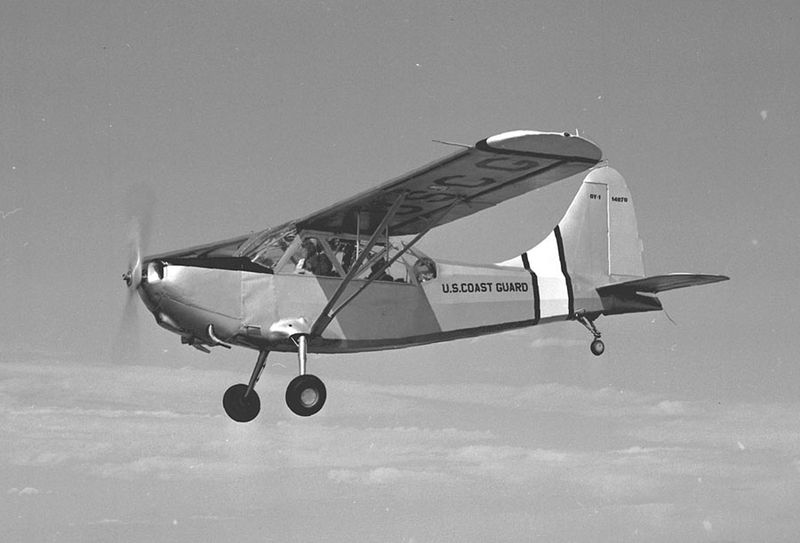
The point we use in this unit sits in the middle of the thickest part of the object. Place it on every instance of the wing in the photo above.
(468, 181)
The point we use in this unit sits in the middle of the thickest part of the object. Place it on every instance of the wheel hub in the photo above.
(309, 397)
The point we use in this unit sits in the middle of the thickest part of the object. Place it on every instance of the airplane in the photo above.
(350, 278)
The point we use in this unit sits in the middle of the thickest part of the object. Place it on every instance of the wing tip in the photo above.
(536, 142)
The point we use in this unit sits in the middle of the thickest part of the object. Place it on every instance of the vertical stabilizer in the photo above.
(601, 237)
(597, 240)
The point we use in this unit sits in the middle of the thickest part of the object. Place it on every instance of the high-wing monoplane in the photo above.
(352, 278)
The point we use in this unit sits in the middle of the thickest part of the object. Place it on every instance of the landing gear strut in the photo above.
(597, 346)
(241, 402)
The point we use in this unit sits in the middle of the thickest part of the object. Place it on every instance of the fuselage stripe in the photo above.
(537, 311)
(567, 279)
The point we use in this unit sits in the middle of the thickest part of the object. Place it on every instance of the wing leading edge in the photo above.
(493, 170)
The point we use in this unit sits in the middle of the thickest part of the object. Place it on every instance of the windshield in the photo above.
(268, 247)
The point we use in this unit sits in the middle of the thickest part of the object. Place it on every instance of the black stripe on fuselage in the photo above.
(567, 279)
(537, 312)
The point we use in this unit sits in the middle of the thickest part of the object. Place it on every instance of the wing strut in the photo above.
(327, 315)
(324, 319)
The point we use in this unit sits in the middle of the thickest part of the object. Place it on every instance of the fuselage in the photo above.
(463, 300)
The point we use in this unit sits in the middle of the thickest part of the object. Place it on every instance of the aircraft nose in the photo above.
(151, 276)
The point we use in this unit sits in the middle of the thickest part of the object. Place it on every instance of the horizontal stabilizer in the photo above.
(659, 283)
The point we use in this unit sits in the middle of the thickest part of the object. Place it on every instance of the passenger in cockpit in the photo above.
(424, 270)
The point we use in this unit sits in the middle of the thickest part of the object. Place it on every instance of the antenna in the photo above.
(453, 144)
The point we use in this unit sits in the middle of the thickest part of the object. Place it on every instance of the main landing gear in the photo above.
(597, 346)
(305, 394)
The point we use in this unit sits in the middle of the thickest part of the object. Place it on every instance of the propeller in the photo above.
(139, 205)
(133, 277)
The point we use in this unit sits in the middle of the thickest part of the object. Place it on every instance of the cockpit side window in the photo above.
(284, 250)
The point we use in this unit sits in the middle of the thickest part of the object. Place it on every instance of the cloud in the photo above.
(6, 214)
(599, 475)
(626, 456)
(385, 476)
(670, 407)
(27, 491)
(763, 427)
(509, 464)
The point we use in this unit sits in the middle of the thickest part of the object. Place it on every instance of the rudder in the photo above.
(600, 231)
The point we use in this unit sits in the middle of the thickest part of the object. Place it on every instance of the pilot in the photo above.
(379, 275)
(320, 264)
(348, 249)
(315, 261)
(309, 249)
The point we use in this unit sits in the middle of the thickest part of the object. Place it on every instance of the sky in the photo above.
(238, 116)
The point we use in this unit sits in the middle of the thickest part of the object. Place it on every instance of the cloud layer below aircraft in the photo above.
(644, 458)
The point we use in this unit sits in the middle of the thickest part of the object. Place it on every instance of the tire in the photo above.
(305, 395)
(238, 407)
(597, 347)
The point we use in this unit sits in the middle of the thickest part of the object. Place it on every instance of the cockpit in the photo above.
(285, 250)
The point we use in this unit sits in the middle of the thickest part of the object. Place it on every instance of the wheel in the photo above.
(238, 407)
(597, 347)
(305, 395)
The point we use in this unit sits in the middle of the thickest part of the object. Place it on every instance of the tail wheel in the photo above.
(597, 347)
(238, 407)
(305, 395)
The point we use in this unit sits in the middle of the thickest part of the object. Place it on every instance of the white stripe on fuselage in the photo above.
(546, 264)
